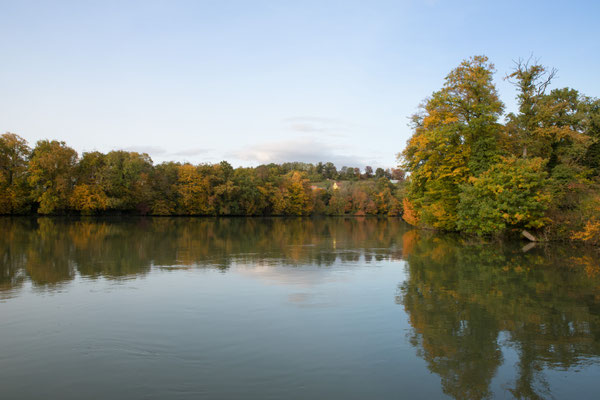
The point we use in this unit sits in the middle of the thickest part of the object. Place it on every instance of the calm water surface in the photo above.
(174, 308)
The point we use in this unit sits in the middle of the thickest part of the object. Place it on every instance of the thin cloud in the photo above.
(306, 128)
(191, 152)
(321, 125)
(156, 150)
(306, 149)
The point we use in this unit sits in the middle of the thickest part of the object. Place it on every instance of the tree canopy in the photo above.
(53, 179)
(539, 168)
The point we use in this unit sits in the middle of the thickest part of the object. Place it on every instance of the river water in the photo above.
(284, 308)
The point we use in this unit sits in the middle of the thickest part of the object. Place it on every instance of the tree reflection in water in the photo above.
(51, 251)
(465, 300)
(461, 296)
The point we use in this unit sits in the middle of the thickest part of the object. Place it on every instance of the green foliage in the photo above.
(509, 194)
(455, 137)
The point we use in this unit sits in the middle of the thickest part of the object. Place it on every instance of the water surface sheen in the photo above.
(355, 308)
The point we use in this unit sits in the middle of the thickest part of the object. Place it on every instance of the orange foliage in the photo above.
(410, 215)
(591, 266)
(409, 240)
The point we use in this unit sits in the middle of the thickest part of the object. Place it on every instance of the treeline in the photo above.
(52, 179)
(537, 169)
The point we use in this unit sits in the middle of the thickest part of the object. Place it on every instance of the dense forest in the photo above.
(537, 169)
(52, 179)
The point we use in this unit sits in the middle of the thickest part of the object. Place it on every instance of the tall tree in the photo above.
(531, 81)
(455, 136)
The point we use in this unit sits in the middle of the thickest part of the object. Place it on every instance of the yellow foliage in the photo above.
(590, 233)
(88, 199)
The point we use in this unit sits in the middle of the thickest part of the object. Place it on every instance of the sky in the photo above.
(254, 82)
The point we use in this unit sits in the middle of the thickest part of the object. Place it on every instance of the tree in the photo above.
(14, 192)
(295, 195)
(88, 199)
(510, 194)
(125, 178)
(89, 194)
(531, 81)
(51, 171)
(398, 174)
(193, 191)
(164, 188)
(455, 136)
(330, 171)
(224, 191)
(591, 123)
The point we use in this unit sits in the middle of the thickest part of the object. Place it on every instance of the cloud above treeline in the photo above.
(191, 152)
(156, 150)
(163, 153)
(306, 149)
(310, 139)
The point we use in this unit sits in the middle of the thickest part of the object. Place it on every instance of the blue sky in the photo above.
(261, 81)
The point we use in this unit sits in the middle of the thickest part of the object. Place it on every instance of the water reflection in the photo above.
(51, 251)
(467, 302)
(462, 298)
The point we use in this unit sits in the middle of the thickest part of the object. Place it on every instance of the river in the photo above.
(286, 308)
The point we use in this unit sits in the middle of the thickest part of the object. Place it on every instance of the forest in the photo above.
(468, 167)
(53, 179)
(472, 168)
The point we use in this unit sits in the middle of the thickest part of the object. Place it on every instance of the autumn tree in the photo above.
(14, 191)
(89, 194)
(292, 196)
(193, 191)
(164, 188)
(51, 171)
(126, 181)
(251, 192)
(455, 137)
(225, 190)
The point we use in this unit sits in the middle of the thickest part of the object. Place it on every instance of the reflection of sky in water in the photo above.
(382, 311)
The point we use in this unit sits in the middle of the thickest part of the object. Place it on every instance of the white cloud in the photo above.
(151, 150)
(191, 152)
(306, 149)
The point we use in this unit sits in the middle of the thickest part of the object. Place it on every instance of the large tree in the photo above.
(456, 136)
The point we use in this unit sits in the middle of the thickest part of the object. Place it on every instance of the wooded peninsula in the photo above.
(462, 170)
